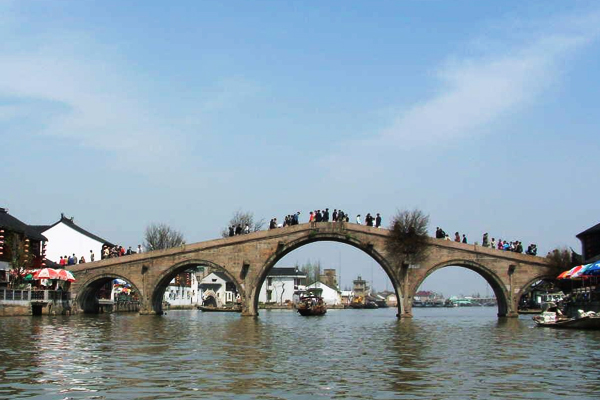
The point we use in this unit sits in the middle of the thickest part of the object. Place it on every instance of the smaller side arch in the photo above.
(163, 280)
(498, 286)
(86, 295)
(528, 285)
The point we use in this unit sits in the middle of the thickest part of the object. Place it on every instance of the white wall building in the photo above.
(218, 286)
(280, 285)
(331, 296)
(183, 293)
(65, 238)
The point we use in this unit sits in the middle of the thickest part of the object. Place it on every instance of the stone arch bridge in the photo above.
(247, 260)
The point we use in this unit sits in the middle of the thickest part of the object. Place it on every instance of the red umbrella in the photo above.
(563, 275)
(569, 273)
(65, 275)
(46, 273)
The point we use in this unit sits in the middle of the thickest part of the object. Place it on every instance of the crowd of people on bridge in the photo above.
(324, 215)
(116, 251)
(70, 260)
(235, 230)
(505, 245)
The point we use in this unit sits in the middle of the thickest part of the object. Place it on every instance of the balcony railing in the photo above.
(34, 295)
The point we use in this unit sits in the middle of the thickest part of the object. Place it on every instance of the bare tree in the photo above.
(161, 236)
(243, 218)
(407, 242)
(312, 272)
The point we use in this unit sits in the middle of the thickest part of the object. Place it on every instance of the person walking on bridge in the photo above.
(358, 219)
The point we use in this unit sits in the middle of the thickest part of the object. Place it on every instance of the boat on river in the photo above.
(312, 303)
(218, 309)
(591, 323)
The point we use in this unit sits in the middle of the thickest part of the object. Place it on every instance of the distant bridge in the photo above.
(247, 260)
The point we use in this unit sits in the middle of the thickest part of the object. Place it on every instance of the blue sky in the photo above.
(482, 114)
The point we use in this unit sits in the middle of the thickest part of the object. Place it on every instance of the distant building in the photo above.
(390, 298)
(590, 244)
(27, 241)
(65, 238)
(360, 287)
(424, 295)
(346, 297)
(331, 296)
(281, 284)
(329, 278)
(216, 289)
(183, 290)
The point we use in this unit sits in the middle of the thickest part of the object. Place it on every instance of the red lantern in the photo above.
(1, 242)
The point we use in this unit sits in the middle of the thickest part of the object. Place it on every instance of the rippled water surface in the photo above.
(348, 354)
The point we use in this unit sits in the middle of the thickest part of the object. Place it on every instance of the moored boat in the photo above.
(218, 309)
(591, 323)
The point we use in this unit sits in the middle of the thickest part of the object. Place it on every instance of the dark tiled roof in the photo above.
(40, 228)
(222, 275)
(69, 222)
(52, 264)
(10, 223)
(285, 271)
(593, 229)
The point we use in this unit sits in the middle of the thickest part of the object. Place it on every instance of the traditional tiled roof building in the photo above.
(590, 243)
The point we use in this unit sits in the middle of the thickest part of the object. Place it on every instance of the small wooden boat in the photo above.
(312, 303)
(570, 323)
(530, 311)
(218, 309)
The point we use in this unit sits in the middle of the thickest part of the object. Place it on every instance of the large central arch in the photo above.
(315, 236)
(500, 291)
(166, 276)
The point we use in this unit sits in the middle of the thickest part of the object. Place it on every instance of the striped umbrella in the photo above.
(563, 275)
(580, 272)
(569, 273)
(593, 269)
(65, 275)
(46, 273)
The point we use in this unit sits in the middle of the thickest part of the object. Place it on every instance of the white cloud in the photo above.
(98, 108)
(87, 93)
(475, 92)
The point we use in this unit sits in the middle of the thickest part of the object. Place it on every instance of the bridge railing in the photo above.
(34, 295)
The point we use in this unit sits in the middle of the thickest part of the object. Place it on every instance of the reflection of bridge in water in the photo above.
(247, 259)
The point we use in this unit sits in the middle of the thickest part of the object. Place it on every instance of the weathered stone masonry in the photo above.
(247, 259)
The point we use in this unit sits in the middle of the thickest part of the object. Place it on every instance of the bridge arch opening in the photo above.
(184, 286)
(346, 260)
(537, 292)
(474, 285)
(109, 293)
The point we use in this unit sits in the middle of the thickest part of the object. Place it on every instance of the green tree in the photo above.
(19, 258)
(560, 258)
(161, 236)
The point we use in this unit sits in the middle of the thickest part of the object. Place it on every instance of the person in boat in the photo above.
(553, 307)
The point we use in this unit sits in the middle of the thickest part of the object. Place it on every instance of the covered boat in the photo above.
(552, 319)
(312, 303)
(570, 323)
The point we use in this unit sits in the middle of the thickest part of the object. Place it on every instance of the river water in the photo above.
(460, 353)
